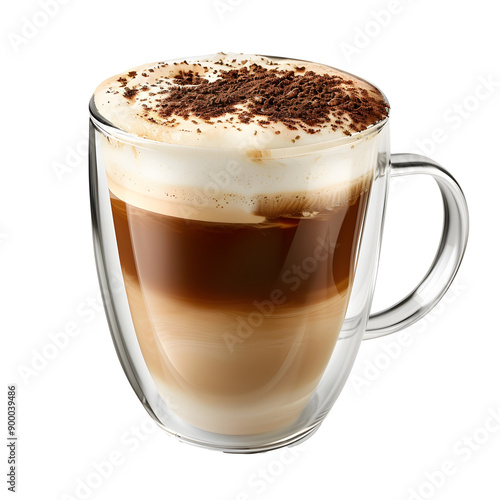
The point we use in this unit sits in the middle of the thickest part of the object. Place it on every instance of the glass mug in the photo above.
(239, 336)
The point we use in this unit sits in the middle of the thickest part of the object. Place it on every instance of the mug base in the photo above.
(293, 440)
(300, 430)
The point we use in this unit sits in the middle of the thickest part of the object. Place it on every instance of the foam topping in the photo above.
(228, 100)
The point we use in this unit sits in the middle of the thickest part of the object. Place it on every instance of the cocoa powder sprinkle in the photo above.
(130, 93)
(306, 101)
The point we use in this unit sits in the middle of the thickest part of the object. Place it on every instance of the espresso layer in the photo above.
(306, 258)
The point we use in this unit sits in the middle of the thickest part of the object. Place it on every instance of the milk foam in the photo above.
(140, 114)
(212, 171)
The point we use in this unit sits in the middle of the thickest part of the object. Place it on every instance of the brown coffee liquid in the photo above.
(237, 322)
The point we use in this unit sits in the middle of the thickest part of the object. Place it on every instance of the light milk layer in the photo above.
(263, 368)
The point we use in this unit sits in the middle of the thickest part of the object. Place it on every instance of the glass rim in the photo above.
(109, 128)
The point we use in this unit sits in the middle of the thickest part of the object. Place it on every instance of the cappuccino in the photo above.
(238, 186)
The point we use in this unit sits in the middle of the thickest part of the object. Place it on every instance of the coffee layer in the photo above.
(224, 263)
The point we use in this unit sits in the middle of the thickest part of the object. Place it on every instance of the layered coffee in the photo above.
(238, 186)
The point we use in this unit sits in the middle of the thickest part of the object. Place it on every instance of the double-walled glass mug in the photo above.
(237, 287)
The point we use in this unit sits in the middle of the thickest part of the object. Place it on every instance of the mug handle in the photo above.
(448, 257)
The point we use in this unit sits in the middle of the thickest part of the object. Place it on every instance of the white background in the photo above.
(396, 422)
